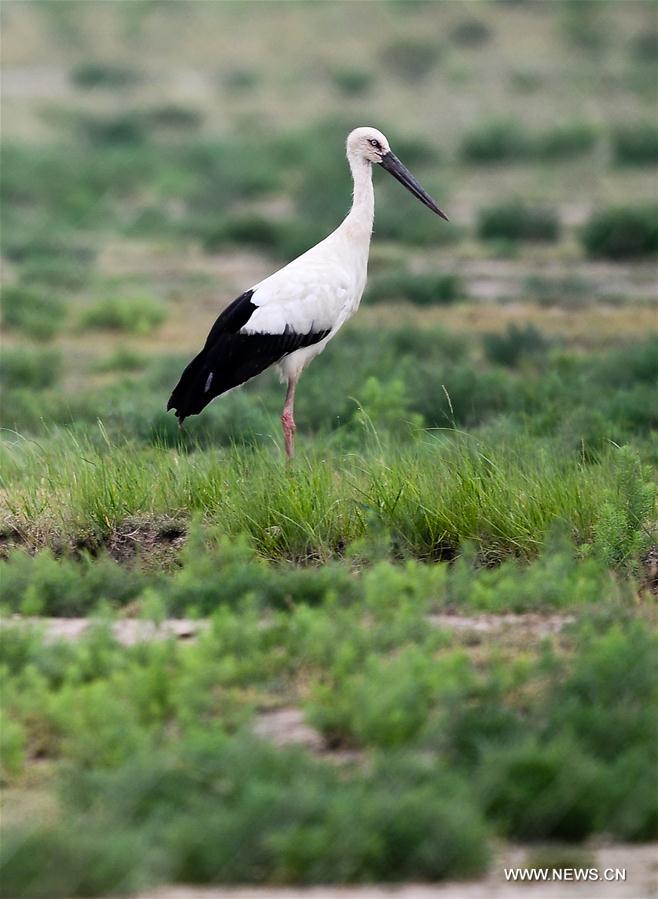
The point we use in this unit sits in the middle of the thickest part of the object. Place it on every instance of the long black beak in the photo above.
(401, 173)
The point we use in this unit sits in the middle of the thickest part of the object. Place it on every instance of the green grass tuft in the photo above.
(622, 232)
(515, 220)
(33, 313)
(138, 315)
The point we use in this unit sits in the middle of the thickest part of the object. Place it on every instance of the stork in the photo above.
(289, 318)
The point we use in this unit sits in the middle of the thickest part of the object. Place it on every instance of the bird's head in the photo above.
(371, 146)
(368, 144)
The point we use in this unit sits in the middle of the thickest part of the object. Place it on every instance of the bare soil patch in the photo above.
(129, 631)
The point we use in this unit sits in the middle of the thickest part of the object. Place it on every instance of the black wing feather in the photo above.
(230, 358)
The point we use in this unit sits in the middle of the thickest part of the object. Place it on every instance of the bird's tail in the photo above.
(191, 395)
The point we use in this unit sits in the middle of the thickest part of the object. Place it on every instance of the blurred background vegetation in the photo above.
(160, 157)
(480, 439)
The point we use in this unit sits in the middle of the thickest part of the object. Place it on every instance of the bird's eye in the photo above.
(375, 144)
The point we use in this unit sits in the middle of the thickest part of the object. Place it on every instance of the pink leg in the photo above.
(288, 420)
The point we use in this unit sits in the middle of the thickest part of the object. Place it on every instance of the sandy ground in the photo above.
(639, 862)
(129, 631)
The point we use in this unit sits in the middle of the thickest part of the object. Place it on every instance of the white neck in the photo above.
(361, 216)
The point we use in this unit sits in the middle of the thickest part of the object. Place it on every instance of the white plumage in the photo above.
(289, 317)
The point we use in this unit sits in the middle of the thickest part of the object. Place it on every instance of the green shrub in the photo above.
(619, 367)
(588, 736)
(496, 141)
(635, 144)
(55, 272)
(632, 812)
(280, 816)
(28, 241)
(397, 220)
(508, 141)
(130, 128)
(386, 407)
(415, 151)
(122, 359)
(352, 81)
(26, 410)
(584, 25)
(99, 728)
(565, 141)
(43, 585)
(221, 178)
(410, 59)
(557, 580)
(557, 742)
(644, 45)
(622, 232)
(526, 81)
(518, 343)
(421, 837)
(420, 289)
(285, 239)
(46, 262)
(514, 220)
(89, 75)
(387, 701)
(73, 860)
(470, 33)
(253, 230)
(606, 698)
(36, 315)
(175, 117)
(241, 80)
(12, 750)
(29, 369)
(544, 792)
(138, 315)
(197, 588)
(619, 532)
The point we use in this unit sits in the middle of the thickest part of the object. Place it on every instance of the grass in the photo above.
(408, 379)
(431, 498)
(515, 345)
(123, 359)
(66, 585)
(136, 315)
(29, 369)
(33, 313)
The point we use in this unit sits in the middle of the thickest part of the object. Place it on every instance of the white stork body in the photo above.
(321, 289)
(288, 318)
